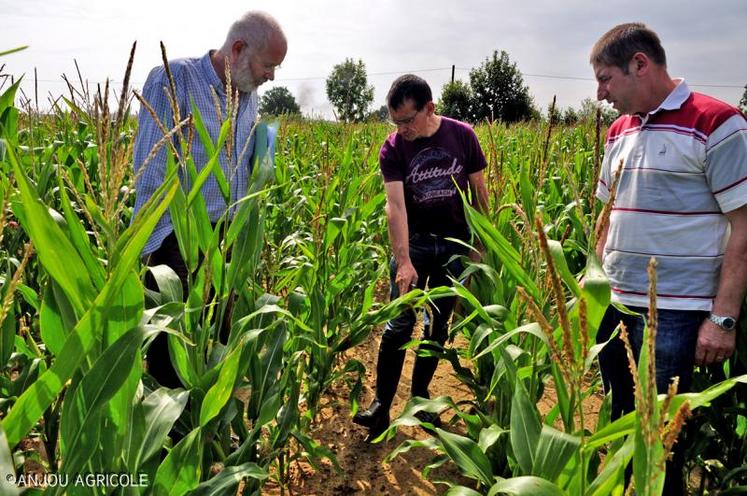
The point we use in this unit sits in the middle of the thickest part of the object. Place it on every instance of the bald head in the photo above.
(256, 29)
(254, 48)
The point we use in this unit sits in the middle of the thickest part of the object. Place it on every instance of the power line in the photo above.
(434, 69)
(577, 78)
(388, 73)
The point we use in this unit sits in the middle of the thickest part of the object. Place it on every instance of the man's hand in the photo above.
(406, 278)
(714, 344)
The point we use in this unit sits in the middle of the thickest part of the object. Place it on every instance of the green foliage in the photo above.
(567, 117)
(348, 90)
(743, 101)
(515, 353)
(294, 273)
(456, 98)
(90, 405)
(714, 437)
(588, 111)
(380, 115)
(278, 101)
(498, 91)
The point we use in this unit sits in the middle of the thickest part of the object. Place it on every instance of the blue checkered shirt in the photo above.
(193, 78)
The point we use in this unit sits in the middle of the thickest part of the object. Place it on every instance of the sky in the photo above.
(549, 41)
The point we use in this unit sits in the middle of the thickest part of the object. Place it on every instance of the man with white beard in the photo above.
(254, 48)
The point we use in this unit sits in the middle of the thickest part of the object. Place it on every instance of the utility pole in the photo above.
(452, 72)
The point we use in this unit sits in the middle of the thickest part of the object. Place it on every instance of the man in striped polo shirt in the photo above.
(254, 48)
(682, 199)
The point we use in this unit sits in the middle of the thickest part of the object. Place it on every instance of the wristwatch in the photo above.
(723, 321)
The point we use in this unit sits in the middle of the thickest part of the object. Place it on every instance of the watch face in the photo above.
(725, 322)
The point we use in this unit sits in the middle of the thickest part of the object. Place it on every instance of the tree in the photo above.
(455, 100)
(498, 91)
(379, 115)
(743, 101)
(278, 101)
(568, 116)
(589, 111)
(348, 90)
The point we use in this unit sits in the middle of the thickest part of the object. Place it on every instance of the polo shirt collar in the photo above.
(676, 98)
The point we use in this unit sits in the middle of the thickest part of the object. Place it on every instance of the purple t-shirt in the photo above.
(426, 166)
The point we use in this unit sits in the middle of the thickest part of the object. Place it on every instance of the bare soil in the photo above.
(364, 470)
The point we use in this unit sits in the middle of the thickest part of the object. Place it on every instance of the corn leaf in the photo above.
(226, 482)
(467, 455)
(80, 425)
(461, 491)
(611, 480)
(525, 428)
(525, 486)
(496, 243)
(53, 247)
(7, 467)
(554, 450)
(160, 410)
(36, 399)
(625, 425)
(180, 472)
(219, 394)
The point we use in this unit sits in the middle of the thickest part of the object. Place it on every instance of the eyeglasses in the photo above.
(404, 122)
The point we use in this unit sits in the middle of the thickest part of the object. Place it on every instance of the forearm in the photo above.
(479, 192)
(733, 280)
(714, 343)
(398, 233)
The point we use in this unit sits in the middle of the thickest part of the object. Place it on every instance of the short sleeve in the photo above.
(605, 173)
(390, 161)
(475, 156)
(726, 163)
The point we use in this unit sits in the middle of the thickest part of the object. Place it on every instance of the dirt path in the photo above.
(363, 467)
(363, 470)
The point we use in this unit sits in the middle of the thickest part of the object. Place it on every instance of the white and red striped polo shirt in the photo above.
(684, 165)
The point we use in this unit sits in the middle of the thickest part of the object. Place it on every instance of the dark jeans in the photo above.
(676, 337)
(157, 358)
(430, 255)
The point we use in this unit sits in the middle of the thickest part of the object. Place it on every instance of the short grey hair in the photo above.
(255, 29)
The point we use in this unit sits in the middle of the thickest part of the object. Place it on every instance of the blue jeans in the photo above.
(431, 256)
(676, 338)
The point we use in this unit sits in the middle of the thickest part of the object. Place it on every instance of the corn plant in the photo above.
(81, 364)
(294, 274)
(331, 252)
(523, 275)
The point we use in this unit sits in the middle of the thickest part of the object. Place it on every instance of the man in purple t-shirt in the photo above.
(424, 163)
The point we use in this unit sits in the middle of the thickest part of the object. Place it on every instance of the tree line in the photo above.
(495, 92)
